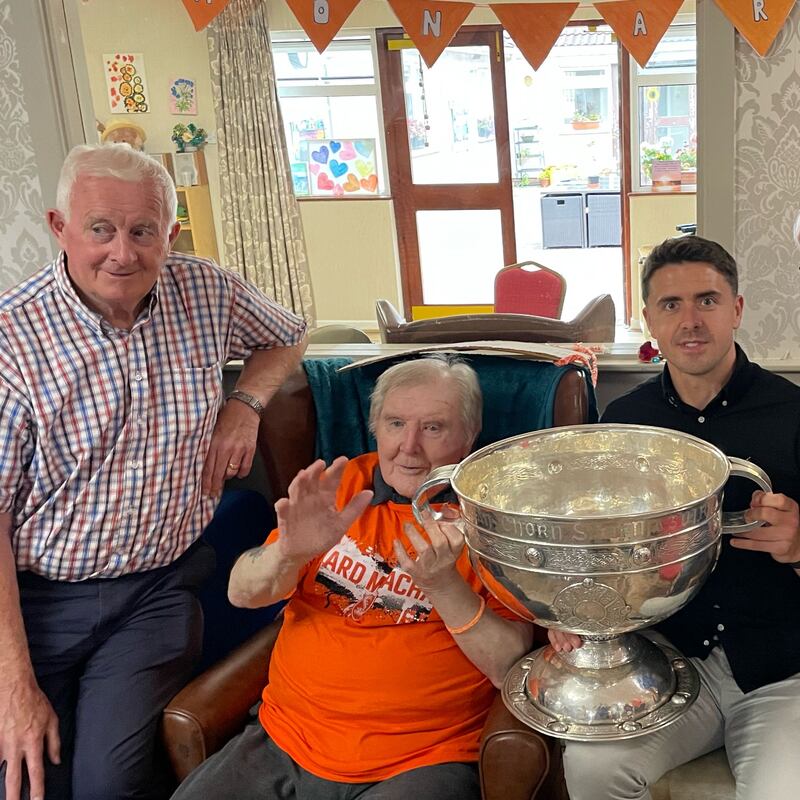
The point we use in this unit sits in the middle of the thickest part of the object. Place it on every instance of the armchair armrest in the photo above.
(516, 762)
(213, 708)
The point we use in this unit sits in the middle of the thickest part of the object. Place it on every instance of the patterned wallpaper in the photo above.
(767, 182)
(24, 240)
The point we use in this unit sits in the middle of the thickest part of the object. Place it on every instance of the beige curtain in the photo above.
(261, 224)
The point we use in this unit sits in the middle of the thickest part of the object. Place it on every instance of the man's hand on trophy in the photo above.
(780, 534)
(563, 642)
(432, 565)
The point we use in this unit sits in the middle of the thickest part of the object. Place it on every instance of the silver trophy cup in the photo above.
(598, 530)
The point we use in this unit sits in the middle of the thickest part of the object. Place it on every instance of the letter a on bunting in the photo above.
(535, 28)
(639, 24)
(430, 25)
(759, 21)
(203, 11)
(322, 19)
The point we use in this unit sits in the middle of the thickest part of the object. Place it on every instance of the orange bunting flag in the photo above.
(204, 11)
(534, 27)
(757, 20)
(430, 25)
(322, 19)
(640, 24)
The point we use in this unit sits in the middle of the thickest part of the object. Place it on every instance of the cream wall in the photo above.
(352, 256)
(653, 219)
(162, 31)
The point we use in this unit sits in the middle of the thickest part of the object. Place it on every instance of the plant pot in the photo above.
(688, 176)
(587, 125)
(544, 182)
(593, 181)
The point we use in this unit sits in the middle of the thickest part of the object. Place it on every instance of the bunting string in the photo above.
(535, 27)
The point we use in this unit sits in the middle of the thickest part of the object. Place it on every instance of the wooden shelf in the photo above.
(197, 236)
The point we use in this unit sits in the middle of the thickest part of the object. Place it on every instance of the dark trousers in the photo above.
(253, 767)
(109, 655)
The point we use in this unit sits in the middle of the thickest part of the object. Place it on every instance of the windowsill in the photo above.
(307, 199)
(649, 191)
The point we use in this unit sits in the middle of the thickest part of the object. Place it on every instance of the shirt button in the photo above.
(706, 642)
(720, 627)
(716, 638)
(725, 402)
(701, 419)
(716, 605)
(138, 376)
(135, 464)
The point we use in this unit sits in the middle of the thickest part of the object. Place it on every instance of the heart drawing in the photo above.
(321, 155)
(337, 168)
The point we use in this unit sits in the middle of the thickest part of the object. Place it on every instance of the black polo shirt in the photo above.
(750, 603)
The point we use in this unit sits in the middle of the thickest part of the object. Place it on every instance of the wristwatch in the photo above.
(248, 400)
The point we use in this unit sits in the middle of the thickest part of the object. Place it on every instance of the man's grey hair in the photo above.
(114, 161)
(424, 370)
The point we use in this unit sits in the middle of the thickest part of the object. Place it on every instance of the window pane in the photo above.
(343, 62)
(675, 53)
(460, 252)
(667, 127)
(450, 116)
(307, 119)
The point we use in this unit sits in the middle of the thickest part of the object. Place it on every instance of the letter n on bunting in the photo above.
(639, 24)
(322, 19)
(759, 21)
(204, 11)
(534, 27)
(430, 25)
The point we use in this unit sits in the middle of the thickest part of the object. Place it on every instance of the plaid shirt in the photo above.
(104, 432)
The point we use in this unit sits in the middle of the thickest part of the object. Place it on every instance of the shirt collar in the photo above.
(383, 493)
(95, 320)
(731, 393)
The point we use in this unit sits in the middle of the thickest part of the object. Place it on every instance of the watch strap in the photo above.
(248, 400)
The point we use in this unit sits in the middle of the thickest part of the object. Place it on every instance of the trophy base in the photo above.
(613, 687)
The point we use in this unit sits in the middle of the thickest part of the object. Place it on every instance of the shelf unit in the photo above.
(197, 236)
(528, 153)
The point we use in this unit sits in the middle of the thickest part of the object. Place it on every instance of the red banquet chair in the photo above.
(529, 288)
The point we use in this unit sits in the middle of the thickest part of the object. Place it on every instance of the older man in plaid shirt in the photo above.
(115, 440)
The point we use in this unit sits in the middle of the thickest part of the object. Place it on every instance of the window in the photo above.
(330, 106)
(664, 105)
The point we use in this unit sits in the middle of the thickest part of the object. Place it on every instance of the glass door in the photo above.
(449, 166)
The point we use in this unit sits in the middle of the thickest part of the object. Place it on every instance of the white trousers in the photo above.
(759, 730)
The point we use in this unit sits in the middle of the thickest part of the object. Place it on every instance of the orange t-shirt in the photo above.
(365, 682)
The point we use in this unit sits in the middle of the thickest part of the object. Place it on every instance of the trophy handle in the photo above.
(436, 481)
(733, 521)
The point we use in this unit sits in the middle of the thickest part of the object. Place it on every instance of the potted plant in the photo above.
(688, 157)
(585, 122)
(188, 137)
(545, 176)
(655, 152)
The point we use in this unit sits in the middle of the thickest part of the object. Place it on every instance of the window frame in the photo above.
(640, 79)
(278, 40)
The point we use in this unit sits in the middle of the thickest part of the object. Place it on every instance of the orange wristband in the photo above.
(472, 623)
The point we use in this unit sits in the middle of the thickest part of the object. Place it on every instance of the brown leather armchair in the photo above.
(516, 763)
(595, 323)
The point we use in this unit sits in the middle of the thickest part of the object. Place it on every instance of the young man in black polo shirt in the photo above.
(742, 630)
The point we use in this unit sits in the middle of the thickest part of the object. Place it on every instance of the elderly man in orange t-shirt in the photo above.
(391, 650)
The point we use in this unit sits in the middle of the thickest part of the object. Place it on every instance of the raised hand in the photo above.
(308, 519)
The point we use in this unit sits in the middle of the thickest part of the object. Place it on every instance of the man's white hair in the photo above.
(420, 371)
(114, 161)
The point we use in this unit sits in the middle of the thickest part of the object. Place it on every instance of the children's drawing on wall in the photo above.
(126, 82)
(182, 96)
(341, 167)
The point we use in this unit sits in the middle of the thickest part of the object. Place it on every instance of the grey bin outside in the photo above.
(562, 220)
(604, 228)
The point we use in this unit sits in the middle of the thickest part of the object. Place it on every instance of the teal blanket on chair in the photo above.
(518, 396)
